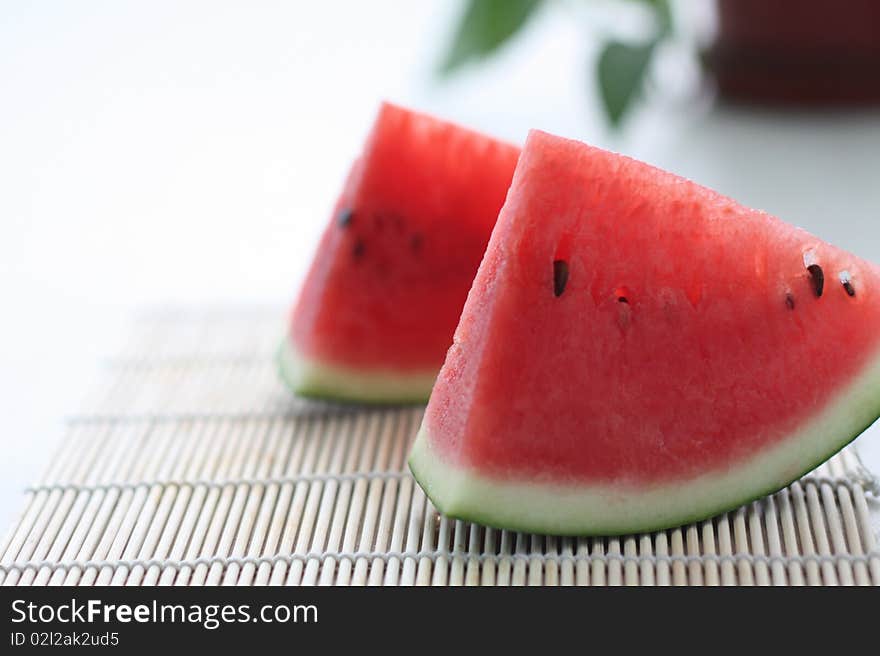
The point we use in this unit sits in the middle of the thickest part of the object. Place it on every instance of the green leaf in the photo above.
(622, 70)
(484, 27)
(663, 12)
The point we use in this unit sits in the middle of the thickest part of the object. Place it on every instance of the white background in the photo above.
(188, 152)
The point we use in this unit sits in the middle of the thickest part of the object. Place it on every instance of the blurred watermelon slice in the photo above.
(391, 274)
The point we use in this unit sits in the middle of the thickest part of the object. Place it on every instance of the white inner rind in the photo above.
(312, 378)
(608, 508)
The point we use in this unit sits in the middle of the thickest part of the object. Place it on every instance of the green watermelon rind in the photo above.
(539, 506)
(332, 382)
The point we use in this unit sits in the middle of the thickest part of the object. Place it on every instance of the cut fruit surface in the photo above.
(391, 274)
(638, 351)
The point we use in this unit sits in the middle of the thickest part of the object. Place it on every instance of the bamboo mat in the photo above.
(190, 464)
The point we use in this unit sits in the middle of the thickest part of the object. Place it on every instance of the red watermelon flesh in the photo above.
(638, 351)
(380, 304)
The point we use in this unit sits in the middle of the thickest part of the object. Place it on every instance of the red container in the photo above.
(804, 52)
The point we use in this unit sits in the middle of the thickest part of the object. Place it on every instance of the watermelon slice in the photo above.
(392, 272)
(638, 352)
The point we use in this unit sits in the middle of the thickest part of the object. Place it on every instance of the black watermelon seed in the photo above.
(789, 301)
(560, 277)
(344, 217)
(622, 299)
(846, 281)
(359, 248)
(818, 278)
(415, 243)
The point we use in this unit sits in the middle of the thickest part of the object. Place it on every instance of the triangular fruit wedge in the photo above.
(638, 352)
(379, 306)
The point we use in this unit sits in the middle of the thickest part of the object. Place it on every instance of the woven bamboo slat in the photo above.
(190, 464)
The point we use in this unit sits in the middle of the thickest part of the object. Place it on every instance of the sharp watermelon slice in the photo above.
(392, 272)
(637, 352)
